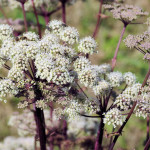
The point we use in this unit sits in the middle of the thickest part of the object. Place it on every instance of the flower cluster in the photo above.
(21, 143)
(140, 42)
(114, 117)
(55, 69)
(25, 122)
(125, 13)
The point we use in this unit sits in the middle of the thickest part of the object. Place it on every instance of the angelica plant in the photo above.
(55, 73)
(50, 70)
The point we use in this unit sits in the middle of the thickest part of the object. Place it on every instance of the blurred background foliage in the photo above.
(83, 16)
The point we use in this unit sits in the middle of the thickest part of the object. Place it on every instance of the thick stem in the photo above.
(117, 48)
(130, 113)
(24, 15)
(98, 20)
(98, 144)
(147, 145)
(40, 123)
(37, 19)
(147, 136)
(40, 120)
(64, 11)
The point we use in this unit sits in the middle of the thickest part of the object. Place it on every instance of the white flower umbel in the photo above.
(103, 88)
(17, 75)
(55, 26)
(6, 47)
(69, 35)
(56, 50)
(7, 88)
(129, 78)
(44, 65)
(114, 117)
(30, 36)
(125, 100)
(5, 31)
(61, 75)
(115, 78)
(81, 63)
(102, 69)
(88, 77)
(87, 45)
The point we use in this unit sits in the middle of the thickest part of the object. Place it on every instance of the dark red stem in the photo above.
(117, 48)
(37, 19)
(25, 19)
(130, 113)
(98, 20)
(40, 123)
(99, 138)
(63, 11)
(40, 120)
(147, 145)
(147, 136)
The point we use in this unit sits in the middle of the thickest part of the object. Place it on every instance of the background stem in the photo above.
(64, 11)
(98, 20)
(37, 19)
(98, 144)
(147, 145)
(24, 15)
(117, 48)
(40, 123)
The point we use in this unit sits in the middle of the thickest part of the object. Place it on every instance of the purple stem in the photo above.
(98, 20)
(63, 11)
(24, 15)
(40, 120)
(117, 49)
(147, 137)
(98, 144)
(37, 19)
(40, 123)
(130, 113)
(147, 145)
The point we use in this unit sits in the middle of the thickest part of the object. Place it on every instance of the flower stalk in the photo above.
(98, 20)
(117, 48)
(24, 15)
(37, 19)
(129, 115)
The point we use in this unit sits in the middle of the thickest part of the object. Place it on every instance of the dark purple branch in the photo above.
(117, 48)
(40, 123)
(98, 20)
(130, 113)
(63, 10)
(147, 136)
(24, 15)
(99, 138)
(37, 19)
(147, 145)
